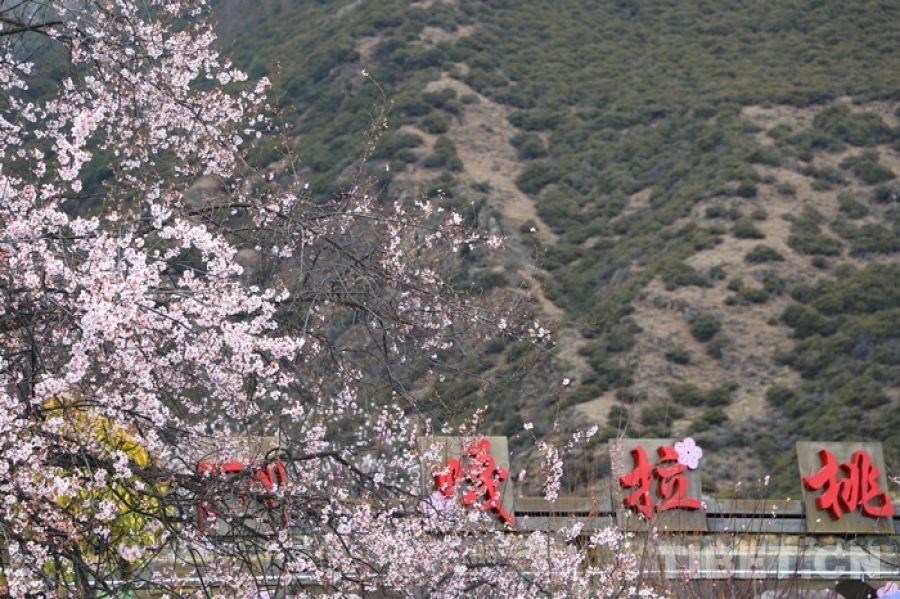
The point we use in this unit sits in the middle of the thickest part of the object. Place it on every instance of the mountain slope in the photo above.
(701, 194)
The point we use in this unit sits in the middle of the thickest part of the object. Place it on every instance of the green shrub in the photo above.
(820, 262)
(767, 155)
(617, 417)
(826, 177)
(885, 194)
(687, 395)
(535, 120)
(753, 295)
(779, 395)
(858, 129)
(536, 176)
(710, 418)
(804, 320)
(867, 169)
(786, 189)
(719, 211)
(680, 274)
(746, 189)
(439, 98)
(735, 284)
(661, 415)
(705, 327)
(678, 355)
(745, 229)
(759, 214)
(851, 207)
(773, 284)
(763, 253)
(811, 140)
(721, 395)
(716, 346)
(443, 156)
(806, 236)
(435, 123)
(529, 145)
(690, 395)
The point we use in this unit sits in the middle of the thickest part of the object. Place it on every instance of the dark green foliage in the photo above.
(773, 284)
(810, 140)
(621, 337)
(745, 229)
(717, 273)
(820, 262)
(826, 177)
(759, 214)
(440, 98)
(690, 395)
(680, 274)
(719, 211)
(858, 129)
(661, 416)
(529, 145)
(436, 122)
(746, 189)
(443, 156)
(716, 346)
(488, 279)
(617, 416)
(851, 207)
(867, 168)
(392, 142)
(735, 284)
(780, 396)
(885, 195)
(536, 176)
(709, 419)
(767, 155)
(752, 295)
(705, 326)
(678, 355)
(786, 190)
(804, 320)
(807, 238)
(763, 253)
(721, 395)
(687, 395)
(868, 239)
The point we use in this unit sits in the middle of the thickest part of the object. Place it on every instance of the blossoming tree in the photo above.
(144, 326)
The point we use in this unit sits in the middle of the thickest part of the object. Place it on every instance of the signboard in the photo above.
(467, 472)
(845, 488)
(657, 484)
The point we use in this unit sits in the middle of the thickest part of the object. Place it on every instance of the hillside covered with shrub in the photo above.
(702, 197)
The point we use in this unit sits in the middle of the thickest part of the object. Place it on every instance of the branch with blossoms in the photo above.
(142, 333)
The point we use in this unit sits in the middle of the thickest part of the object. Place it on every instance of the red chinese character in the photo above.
(640, 477)
(858, 488)
(483, 476)
(671, 483)
(447, 479)
(265, 479)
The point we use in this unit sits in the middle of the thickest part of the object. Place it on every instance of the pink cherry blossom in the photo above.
(168, 329)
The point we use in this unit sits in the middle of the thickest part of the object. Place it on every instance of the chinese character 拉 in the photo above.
(669, 475)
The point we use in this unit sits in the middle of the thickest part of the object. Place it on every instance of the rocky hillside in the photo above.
(701, 198)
